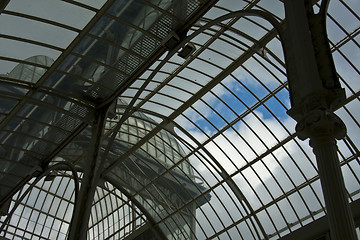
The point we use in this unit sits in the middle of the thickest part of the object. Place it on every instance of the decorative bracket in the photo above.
(319, 124)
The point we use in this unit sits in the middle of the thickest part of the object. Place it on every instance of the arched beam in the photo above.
(242, 13)
(58, 166)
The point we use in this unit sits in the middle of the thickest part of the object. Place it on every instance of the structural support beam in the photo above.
(315, 94)
(323, 128)
(92, 166)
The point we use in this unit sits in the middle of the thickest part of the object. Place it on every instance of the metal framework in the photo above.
(173, 118)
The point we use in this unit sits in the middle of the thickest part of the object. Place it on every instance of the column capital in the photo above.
(320, 124)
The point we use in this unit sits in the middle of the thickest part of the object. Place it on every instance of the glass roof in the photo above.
(197, 141)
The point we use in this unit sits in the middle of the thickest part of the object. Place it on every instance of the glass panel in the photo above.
(35, 30)
(76, 17)
(6, 104)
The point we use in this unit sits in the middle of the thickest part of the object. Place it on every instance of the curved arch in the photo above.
(57, 166)
(237, 14)
(129, 110)
(223, 104)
